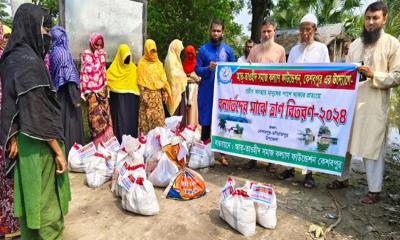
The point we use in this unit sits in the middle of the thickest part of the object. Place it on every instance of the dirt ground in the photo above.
(97, 214)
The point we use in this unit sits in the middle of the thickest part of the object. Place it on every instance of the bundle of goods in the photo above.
(79, 156)
(243, 207)
(201, 155)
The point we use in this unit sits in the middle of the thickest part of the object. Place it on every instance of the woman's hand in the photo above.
(12, 148)
(61, 164)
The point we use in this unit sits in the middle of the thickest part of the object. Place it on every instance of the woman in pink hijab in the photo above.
(94, 90)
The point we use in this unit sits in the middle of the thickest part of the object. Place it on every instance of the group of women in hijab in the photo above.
(41, 113)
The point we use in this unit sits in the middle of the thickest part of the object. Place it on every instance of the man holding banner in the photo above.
(266, 52)
(379, 53)
(307, 51)
(209, 54)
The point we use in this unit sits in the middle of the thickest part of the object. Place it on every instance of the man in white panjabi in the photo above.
(307, 51)
(380, 53)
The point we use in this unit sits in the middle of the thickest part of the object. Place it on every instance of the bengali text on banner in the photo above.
(293, 115)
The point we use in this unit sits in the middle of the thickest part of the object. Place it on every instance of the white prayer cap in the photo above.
(309, 18)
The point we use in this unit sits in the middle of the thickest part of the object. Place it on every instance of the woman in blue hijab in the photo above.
(66, 81)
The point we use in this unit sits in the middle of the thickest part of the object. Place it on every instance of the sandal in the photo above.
(309, 181)
(371, 198)
(223, 161)
(336, 184)
(287, 174)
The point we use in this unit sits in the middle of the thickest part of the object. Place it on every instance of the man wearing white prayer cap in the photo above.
(307, 51)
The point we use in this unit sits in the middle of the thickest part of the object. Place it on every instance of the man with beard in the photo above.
(380, 53)
(248, 45)
(267, 51)
(307, 51)
(209, 54)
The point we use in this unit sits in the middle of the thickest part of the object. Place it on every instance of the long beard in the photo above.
(266, 44)
(370, 37)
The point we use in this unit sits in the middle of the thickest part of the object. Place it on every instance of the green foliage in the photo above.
(4, 16)
(288, 13)
(189, 20)
(393, 19)
(52, 6)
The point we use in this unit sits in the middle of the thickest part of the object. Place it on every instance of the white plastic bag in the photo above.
(265, 203)
(112, 145)
(201, 156)
(139, 196)
(164, 172)
(79, 156)
(173, 123)
(237, 209)
(110, 157)
(190, 134)
(97, 172)
(152, 148)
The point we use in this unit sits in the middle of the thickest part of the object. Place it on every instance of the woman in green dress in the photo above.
(31, 129)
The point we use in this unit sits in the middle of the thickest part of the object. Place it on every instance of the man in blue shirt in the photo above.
(209, 54)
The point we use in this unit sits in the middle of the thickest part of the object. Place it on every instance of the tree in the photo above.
(51, 5)
(189, 21)
(288, 13)
(4, 16)
(393, 18)
(259, 9)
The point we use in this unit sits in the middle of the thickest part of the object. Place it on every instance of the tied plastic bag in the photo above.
(237, 209)
(97, 172)
(187, 185)
(139, 196)
(173, 123)
(152, 150)
(120, 171)
(131, 150)
(112, 145)
(110, 157)
(201, 156)
(78, 156)
(162, 174)
(265, 203)
(190, 134)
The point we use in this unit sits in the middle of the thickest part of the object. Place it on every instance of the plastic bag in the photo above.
(237, 209)
(97, 172)
(139, 196)
(112, 145)
(152, 150)
(166, 169)
(78, 156)
(201, 156)
(265, 203)
(186, 185)
(190, 134)
(173, 123)
(110, 157)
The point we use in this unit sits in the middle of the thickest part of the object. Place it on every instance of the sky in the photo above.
(244, 18)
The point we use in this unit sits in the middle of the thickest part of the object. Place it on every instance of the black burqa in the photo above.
(125, 114)
(69, 97)
(29, 104)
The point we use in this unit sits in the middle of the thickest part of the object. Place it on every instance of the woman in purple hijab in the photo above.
(66, 80)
